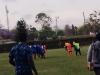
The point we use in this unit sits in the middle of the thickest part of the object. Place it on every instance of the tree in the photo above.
(94, 21)
(46, 32)
(85, 29)
(73, 30)
(68, 30)
(60, 33)
(33, 33)
(43, 19)
(76, 30)
(91, 25)
(21, 31)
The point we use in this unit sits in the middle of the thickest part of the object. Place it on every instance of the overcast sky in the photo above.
(69, 11)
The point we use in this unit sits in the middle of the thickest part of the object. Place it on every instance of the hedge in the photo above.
(51, 44)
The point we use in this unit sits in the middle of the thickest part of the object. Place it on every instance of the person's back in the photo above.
(96, 53)
(77, 48)
(33, 49)
(76, 45)
(20, 53)
(69, 47)
(93, 55)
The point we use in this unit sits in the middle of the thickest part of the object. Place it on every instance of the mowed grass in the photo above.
(56, 63)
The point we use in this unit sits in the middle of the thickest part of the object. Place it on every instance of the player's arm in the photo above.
(31, 62)
(11, 58)
(89, 58)
(11, 61)
(89, 54)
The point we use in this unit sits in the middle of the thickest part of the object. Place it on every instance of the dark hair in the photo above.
(98, 36)
(21, 31)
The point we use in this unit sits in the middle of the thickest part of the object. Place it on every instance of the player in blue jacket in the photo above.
(20, 55)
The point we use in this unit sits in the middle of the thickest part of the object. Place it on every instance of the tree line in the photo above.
(92, 24)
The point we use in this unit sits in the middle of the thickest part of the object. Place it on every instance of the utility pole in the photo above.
(7, 12)
(57, 25)
(84, 17)
(0, 25)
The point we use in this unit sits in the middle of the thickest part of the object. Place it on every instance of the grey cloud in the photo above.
(28, 16)
(14, 13)
(9, 0)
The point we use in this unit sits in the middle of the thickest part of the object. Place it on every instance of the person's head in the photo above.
(73, 42)
(21, 31)
(98, 36)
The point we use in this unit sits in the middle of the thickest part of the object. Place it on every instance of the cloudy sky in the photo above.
(69, 11)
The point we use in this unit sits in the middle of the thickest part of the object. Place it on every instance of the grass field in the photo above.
(56, 63)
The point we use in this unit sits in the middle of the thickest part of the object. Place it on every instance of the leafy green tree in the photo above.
(60, 33)
(46, 32)
(91, 25)
(94, 20)
(33, 33)
(73, 30)
(21, 31)
(68, 30)
(43, 19)
(85, 29)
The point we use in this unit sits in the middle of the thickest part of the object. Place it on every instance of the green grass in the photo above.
(56, 63)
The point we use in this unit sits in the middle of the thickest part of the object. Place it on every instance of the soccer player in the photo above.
(77, 48)
(68, 48)
(93, 55)
(33, 47)
(20, 55)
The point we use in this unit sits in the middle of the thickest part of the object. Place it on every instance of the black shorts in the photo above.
(24, 73)
(97, 70)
